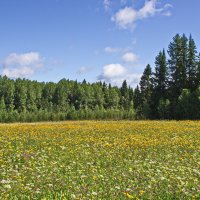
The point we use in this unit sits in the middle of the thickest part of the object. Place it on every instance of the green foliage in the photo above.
(163, 109)
(31, 101)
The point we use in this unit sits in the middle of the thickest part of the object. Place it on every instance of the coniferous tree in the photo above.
(146, 90)
(197, 78)
(177, 65)
(160, 78)
(146, 85)
(191, 64)
(125, 98)
(137, 98)
(161, 75)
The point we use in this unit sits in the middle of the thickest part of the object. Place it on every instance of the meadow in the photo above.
(100, 160)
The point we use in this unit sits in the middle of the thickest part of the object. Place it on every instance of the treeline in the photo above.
(24, 100)
(172, 91)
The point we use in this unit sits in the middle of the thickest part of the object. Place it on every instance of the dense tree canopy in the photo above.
(25, 100)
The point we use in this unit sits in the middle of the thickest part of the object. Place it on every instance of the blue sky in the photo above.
(111, 40)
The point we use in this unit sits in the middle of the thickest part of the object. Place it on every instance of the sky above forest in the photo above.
(108, 40)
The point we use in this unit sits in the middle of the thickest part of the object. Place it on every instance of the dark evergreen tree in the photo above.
(125, 101)
(161, 75)
(197, 78)
(137, 98)
(146, 84)
(177, 65)
(191, 64)
(160, 79)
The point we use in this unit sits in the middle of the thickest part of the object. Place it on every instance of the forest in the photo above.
(170, 91)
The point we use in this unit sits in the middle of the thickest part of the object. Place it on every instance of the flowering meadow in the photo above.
(100, 160)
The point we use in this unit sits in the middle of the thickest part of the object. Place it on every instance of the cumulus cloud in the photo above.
(117, 73)
(126, 18)
(113, 71)
(130, 57)
(22, 65)
(18, 72)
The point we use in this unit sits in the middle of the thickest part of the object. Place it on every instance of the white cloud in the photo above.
(111, 50)
(130, 57)
(106, 4)
(113, 70)
(18, 72)
(83, 70)
(22, 59)
(126, 18)
(117, 73)
(149, 9)
(22, 65)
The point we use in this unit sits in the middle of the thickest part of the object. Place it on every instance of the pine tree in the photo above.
(146, 85)
(161, 74)
(197, 78)
(137, 98)
(177, 65)
(146, 92)
(160, 78)
(125, 98)
(191, 64)
(124, 88)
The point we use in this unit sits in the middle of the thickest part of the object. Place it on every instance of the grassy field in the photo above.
(100, 160)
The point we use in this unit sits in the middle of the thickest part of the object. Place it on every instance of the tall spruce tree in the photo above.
(160, 79)
(177, 65)
(197, 78)
(146, 91)
(125, 99)
(191, 64)
(161, 74)
(146, 84)
(137, 97)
